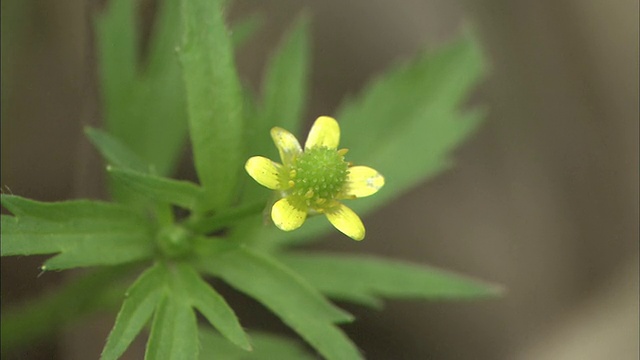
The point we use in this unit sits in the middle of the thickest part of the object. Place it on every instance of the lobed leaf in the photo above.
(146, 108)
(115, 152)
(285, 86)
(83, 232)
(182, 193)
(163, 109)
(171, 291)
(407, 98)
(409, 113)
(214, 100)
(284, 93)
(140, 303)
(69, 210)
(287, 295)
(174, 332)
(118, 55)
(212, 305)
(366, 279)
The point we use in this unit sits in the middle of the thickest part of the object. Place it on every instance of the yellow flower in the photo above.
(314, 180)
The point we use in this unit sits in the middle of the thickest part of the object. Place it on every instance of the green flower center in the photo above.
(319, 175)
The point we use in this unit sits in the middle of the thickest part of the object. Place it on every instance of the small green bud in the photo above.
(174, 241)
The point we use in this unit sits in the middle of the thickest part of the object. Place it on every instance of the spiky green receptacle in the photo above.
(319, 175)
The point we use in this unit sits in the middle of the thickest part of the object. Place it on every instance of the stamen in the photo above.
(309, 194)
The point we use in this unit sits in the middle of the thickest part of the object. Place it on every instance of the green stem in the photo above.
(210, 224)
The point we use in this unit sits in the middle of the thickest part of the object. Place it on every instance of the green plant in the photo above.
(150, 106)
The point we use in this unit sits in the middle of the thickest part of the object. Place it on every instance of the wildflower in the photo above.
(314, 180)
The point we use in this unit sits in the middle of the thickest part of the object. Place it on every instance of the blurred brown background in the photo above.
(544, 199)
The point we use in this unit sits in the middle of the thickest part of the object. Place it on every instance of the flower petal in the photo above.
(287, 144)
(363, 181)
(324, 132)
(347, 221)
(288, 214)
(264, 171)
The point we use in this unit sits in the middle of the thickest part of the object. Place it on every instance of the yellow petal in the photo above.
(264, 171)
(324, 132)
(363, 181)
(288, 214)
(347, 221)
(287, 144)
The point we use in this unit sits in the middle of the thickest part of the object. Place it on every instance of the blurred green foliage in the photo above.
(404, 123)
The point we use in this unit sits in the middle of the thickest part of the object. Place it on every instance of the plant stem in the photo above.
(213, 223)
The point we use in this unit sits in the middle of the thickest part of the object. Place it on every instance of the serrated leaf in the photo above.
(182, 193)
(427, 122)
(366, 279)
(115, 152)
(427, 159)
(117, 50)
(69, 210)
(171, 291)
(146, 96)
(266, 346)
(213, 306)
(140, 302)
(174, 332)
(284, 87)
(85, 233)
(214, 100)
(431, 84)
(409, 113)
(288, 296)
(79, 243)
(284, 95)
(164, 108)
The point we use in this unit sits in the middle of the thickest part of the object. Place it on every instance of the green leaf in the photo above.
(429, 159)
(141, 300)
(405, 124)
(163, 100)
(99, 290)
(117, 50)
(214, 100)
(145, 105)
(85, 233)
(182, 193)
(284, 92)
(244, 29)
(285, 87)
(287, 295)
(213, 306)
(174, 332)
(115, 152)
(266, 346)
(426, 119)
(431, 84)
(222, 219)
(69, 210)
(171, 291)
(365, 279)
